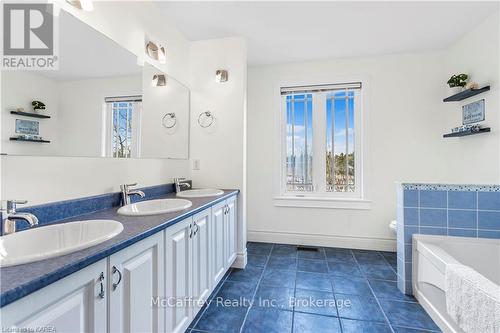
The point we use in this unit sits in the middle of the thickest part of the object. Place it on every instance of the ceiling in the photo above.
(280, 32)
(85, 53)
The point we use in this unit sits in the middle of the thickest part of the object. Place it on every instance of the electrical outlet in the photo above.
(196, 164)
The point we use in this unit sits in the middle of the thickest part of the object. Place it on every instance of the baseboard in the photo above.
(241, 260)
(379, 244)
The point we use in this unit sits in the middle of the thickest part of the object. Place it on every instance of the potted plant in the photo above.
(37, 105)
(457, 82)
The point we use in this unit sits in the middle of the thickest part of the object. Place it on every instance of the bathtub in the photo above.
(430, 256)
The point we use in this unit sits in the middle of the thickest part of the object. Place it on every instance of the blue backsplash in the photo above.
(56, 211)
(439, 209)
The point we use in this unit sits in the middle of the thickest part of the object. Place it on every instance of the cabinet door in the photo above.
(230, 227)
(178, 276)
(202, 279)
(136, 276)
(218, 246)
(73, 304)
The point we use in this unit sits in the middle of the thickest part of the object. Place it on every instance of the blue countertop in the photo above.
(19, 281)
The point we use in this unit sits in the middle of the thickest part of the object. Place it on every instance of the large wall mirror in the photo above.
(100, 103)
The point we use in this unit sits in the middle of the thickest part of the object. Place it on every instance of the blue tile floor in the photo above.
(283, 289)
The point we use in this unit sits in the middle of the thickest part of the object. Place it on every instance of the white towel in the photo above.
(472, 300)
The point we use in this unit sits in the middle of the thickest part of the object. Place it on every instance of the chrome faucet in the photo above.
(179, 184)
(10, 217)
(126, 193)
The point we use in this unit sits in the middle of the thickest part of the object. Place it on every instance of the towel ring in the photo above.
(169, 117)
(209, 115)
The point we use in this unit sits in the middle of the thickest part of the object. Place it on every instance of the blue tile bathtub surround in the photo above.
(296, 300)
(441, 209)
(61, 210)
(19, 281)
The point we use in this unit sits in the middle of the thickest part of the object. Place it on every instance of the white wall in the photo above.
(221, 147)
(157, 140)
(477, 54)
(405, 128)
(21, 88)
(407, 119)
(81, 106)
(40, 179)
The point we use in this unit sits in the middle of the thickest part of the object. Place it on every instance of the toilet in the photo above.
(393, 226)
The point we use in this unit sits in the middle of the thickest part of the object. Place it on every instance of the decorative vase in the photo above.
(454, 90)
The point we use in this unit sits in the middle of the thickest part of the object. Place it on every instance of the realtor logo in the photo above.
(29, 36)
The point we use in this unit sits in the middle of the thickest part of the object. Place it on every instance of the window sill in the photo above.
(322, 202)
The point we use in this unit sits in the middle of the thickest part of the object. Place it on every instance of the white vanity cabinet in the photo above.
(76, 303)
(230, 234)
(188, 275)
(155, 285)
(136, 279)
(218, 264)
(224, 237)
(201, 259)
(178, 275)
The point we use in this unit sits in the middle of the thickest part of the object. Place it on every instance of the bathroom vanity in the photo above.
(153, 277)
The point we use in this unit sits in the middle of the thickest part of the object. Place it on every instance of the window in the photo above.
(299, 142)
(321, 141)
(340, 157)
(124, 126)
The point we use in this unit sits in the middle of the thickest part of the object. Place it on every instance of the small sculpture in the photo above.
(472, 85)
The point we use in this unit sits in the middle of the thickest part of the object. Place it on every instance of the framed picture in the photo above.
(27, 127)
(473, 112)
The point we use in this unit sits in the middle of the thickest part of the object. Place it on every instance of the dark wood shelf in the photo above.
(29, 114)
(28, 140)
(465, 94)
(466, 133)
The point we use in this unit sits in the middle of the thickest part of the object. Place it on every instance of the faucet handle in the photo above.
(125, 187)
(11, 204)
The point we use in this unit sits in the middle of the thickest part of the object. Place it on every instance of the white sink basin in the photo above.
(55, 240)
(153, 207)
(199, 193)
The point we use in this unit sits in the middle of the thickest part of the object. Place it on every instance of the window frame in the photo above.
(319, 198)
(109, 131)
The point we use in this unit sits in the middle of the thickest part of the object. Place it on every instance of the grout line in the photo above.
(376, 299)
(215, 292)
(418, 328)
(335, 298)
(460, 209)
(477, 214)
(447, 213)
(256, 288)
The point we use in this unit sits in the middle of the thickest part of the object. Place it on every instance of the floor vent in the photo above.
(307, 248)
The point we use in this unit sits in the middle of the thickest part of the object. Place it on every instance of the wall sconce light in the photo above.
(221, 75)
(85, 5)
(159, 80)
(156, 52)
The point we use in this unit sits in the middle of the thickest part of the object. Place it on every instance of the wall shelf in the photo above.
(466, 133)
(465, 94)
(28, 140)
(29, 114)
